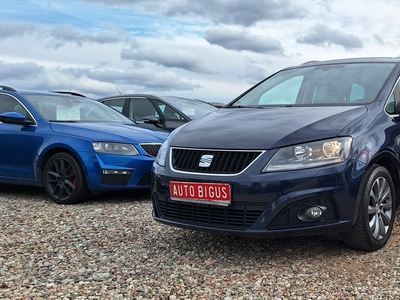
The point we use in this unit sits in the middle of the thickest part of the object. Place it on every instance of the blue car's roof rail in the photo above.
(7, 88)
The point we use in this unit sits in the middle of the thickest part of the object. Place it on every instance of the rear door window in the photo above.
(117, 104)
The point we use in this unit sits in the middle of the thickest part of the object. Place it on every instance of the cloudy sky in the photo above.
(207, 49)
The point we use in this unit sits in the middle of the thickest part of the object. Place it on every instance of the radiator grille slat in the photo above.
(223, 161)
(239, 217)
(151, 149)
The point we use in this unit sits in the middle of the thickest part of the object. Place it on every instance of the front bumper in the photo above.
(265, 204)
(114, 172)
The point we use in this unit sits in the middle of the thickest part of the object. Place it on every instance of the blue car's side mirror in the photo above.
(14, 118)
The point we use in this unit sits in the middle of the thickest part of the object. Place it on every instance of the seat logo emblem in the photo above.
(205, 160)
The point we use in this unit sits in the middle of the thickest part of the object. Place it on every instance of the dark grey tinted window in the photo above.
(141, 107)
(169, 113)
(117, 104)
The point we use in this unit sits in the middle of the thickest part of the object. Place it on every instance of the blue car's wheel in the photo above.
(64, 180)
(376, 211)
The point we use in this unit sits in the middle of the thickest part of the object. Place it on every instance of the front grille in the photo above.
(223, 161)
(288, 217)
(240, 217)
(115, 179)
(151, 149)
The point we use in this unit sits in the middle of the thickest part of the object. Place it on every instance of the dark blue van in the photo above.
(312, 149)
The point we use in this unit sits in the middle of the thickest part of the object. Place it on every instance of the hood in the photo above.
(112, 132)
(265, 128)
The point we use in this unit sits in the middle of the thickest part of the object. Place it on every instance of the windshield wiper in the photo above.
(243, 106)
(65, 121)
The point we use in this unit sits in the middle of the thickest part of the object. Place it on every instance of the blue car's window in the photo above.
(10, 104)
(66, 108)
(347, 84)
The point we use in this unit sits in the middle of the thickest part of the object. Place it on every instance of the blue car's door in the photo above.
(17, 151)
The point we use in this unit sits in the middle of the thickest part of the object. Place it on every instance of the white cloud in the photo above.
(212, 50)
(243, 39)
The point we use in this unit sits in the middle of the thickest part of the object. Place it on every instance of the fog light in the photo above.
(116, 172)
(311, 213)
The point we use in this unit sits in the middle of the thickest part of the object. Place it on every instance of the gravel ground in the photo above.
(111, 248)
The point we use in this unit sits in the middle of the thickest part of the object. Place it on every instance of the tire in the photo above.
(63, 179)
(375, 213)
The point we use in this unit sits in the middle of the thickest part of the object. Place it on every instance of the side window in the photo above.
(283, 93)
(168, 112)
(390, 107)
(117, 104)
(10, 104)
(141, 107)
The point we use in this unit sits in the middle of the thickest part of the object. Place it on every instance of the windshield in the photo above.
(337, 84)
(65, 108)
(192, 108)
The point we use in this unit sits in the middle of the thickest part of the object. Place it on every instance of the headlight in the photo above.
(162, 153)
(310, 155)
(115, 148)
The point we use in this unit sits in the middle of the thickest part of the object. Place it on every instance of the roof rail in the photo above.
(309, 62)
(69, 93)
(7, 88)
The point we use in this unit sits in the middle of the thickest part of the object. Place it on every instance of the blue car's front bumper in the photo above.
(106, 172)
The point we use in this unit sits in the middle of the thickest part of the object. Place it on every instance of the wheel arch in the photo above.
(391, 162)
(45, 157)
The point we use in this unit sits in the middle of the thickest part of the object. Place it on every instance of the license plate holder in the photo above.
(200, 192)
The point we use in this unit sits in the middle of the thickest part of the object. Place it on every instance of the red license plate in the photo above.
(209, 193)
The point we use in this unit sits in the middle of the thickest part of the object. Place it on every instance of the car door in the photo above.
(140, 107)
(171, 118)
(17, 151)
(392, 108)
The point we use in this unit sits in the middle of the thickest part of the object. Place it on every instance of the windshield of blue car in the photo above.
(64, 108)
(336, 84)
(192, 108)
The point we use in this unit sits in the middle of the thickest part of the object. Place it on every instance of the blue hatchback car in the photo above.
(311, 150)
(71, 145)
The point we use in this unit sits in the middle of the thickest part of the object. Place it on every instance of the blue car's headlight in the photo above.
(310, 155)
(115, 148)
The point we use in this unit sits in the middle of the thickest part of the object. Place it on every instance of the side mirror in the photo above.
(151, 120)
(14, 118)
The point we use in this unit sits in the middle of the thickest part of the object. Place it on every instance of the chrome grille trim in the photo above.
(241, 157)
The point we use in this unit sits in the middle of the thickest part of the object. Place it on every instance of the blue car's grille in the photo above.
(239, 217)
(220, 162)
(151, 149)
(115, 179)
